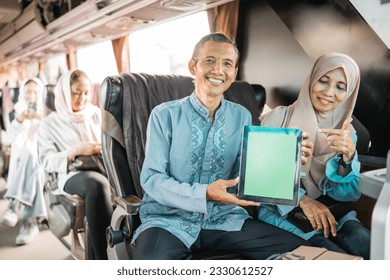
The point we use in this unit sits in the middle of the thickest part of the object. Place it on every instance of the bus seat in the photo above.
(126, 101)
(66, 213)
(363, 143)
(66, 216)
(367, 161)
(14, 92)
(260, 95)
(49, 97)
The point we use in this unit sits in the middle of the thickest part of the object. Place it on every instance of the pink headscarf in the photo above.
(302, 115)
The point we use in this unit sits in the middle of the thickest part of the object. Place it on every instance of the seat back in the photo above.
(66, 215)
(114, 151)
(127, 101)
(49, 97)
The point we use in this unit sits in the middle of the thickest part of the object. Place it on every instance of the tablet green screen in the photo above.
(271, 165)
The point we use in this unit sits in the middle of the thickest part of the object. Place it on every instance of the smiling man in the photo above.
(191, 166)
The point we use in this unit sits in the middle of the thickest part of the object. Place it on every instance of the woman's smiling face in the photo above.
(329, 91)
(80, 93)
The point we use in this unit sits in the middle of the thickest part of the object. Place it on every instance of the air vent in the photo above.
(88, 37)
(190, 5)
(181, 5)
(128, 22)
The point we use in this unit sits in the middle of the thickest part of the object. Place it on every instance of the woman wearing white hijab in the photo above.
(323, 110)
(25, 177)
(75, 129)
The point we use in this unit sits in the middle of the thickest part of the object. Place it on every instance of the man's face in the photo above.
(214, 69)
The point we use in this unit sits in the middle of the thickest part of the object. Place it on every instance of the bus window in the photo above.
(166, 48)
(31, 69)
(98, 66)
(55, 66)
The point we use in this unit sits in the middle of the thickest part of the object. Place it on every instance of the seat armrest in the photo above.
(371, 162)
(130, 203)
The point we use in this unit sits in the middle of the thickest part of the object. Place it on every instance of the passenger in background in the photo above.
(323, 110)
(25, 176)
(75, 129)
(191, 166)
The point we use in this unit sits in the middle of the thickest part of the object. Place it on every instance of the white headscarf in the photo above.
(22, 105)
(63, 102)
(81, 120)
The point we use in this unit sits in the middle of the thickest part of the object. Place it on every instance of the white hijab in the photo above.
(22, 105)
(80, 120)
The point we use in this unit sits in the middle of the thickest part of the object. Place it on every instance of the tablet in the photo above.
(270, 165)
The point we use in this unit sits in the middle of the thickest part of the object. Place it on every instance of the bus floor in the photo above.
(44, 247)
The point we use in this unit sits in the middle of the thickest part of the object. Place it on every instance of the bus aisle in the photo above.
(44, 247)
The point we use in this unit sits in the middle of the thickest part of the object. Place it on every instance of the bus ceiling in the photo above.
(30, 29)
(33, 29)
(376, 14)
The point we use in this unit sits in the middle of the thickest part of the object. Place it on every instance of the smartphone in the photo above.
(32, 107)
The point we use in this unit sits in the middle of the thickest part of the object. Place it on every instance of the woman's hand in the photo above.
(27, 115)
(340, 140)
(217, 191)
(307, 148)
(90, 148)
(319, 215)
(86, 149)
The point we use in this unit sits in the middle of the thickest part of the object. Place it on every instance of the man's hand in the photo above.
(217, 191)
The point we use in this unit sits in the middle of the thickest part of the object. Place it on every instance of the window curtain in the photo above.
(121, 53)
(22, 72)
(224, 18)
(71, 59)
(41, 71)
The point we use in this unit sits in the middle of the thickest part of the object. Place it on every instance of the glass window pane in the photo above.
(166, 48)
(98, 61)
(54, 67)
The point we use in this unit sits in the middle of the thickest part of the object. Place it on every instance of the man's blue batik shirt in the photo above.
(185, 152)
